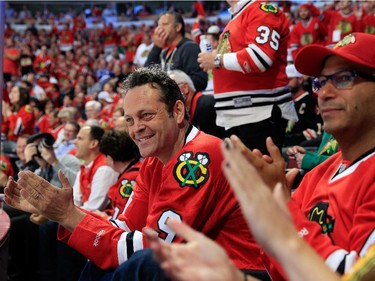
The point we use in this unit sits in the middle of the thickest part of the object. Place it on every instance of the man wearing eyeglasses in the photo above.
(335, 203)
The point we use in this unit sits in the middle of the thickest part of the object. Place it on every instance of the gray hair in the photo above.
(95, 104)
(181, 77)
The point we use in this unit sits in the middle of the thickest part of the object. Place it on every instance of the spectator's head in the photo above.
(295, 79)
(345, 5)
(20, 147)
(104, 98)
(71, 130)
(118, 147)
(88, 142)
(344, 83)
(185, 84)
(120, 124)
(108, 87)
(155, 112)
(118, 112)
(213, 34)
(19, 96)
(39, 109)
(304, 12)
(92, 109)
(173, 24)
(68, 100)
(53, 119)
(65, 115)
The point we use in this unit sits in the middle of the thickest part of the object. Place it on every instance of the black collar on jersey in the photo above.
(339, 171)
(134, 161)
(244, 6)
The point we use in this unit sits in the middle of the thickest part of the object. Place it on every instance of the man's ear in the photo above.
(178, 27)
(93, 144)
(179, 111)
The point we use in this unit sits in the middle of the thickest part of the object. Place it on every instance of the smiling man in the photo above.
(180, 178)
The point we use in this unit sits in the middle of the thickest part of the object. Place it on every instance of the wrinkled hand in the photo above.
(14, 199)
(52, 202)
(199, 259)
(206, 60)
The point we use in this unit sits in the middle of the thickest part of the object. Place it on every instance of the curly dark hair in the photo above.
(119, 146)
(158, 79)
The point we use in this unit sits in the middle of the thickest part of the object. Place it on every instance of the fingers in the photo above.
(183, 230)
(274, 151)
(64, 180)
(281, 198)
(254, 157)
(31, 186)
(160, 248)
(12, 193)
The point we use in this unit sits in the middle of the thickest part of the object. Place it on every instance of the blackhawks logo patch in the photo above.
(126, 188)
(269, 8)
(348, 39)
(190, 170)
(319, 214)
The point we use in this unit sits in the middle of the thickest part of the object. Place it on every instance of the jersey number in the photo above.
(163, 227)
(264, 37)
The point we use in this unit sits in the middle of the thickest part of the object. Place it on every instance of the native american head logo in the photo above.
(126, 188)
(192, 171)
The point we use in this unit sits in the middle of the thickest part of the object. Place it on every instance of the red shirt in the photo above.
(11, 66)
(21, 122)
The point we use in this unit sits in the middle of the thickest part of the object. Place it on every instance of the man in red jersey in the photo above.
(251, 89)
(180, 178)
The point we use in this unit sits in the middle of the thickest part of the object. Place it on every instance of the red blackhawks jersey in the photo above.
(192, 188)
(21, 122)
(253, 79)
(311, 32)
(369, 24)
(120, 192)
(334, 210)
(340, 25)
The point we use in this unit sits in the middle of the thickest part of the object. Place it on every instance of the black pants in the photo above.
(254, 135)
(57, 261)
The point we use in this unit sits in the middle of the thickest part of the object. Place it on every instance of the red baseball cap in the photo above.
(355, 47)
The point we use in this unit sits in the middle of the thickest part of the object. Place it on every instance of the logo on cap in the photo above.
(348, 39)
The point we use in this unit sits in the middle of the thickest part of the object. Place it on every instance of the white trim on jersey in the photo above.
(19, 127)
(120, 224)
(370, 241)
(350, 169)
(122, 250)
(230, 62)
(137, 241)
(335, 259)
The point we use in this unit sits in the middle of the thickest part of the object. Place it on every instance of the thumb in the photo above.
(64, 180)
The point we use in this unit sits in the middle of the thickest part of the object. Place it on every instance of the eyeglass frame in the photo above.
(333, 77)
